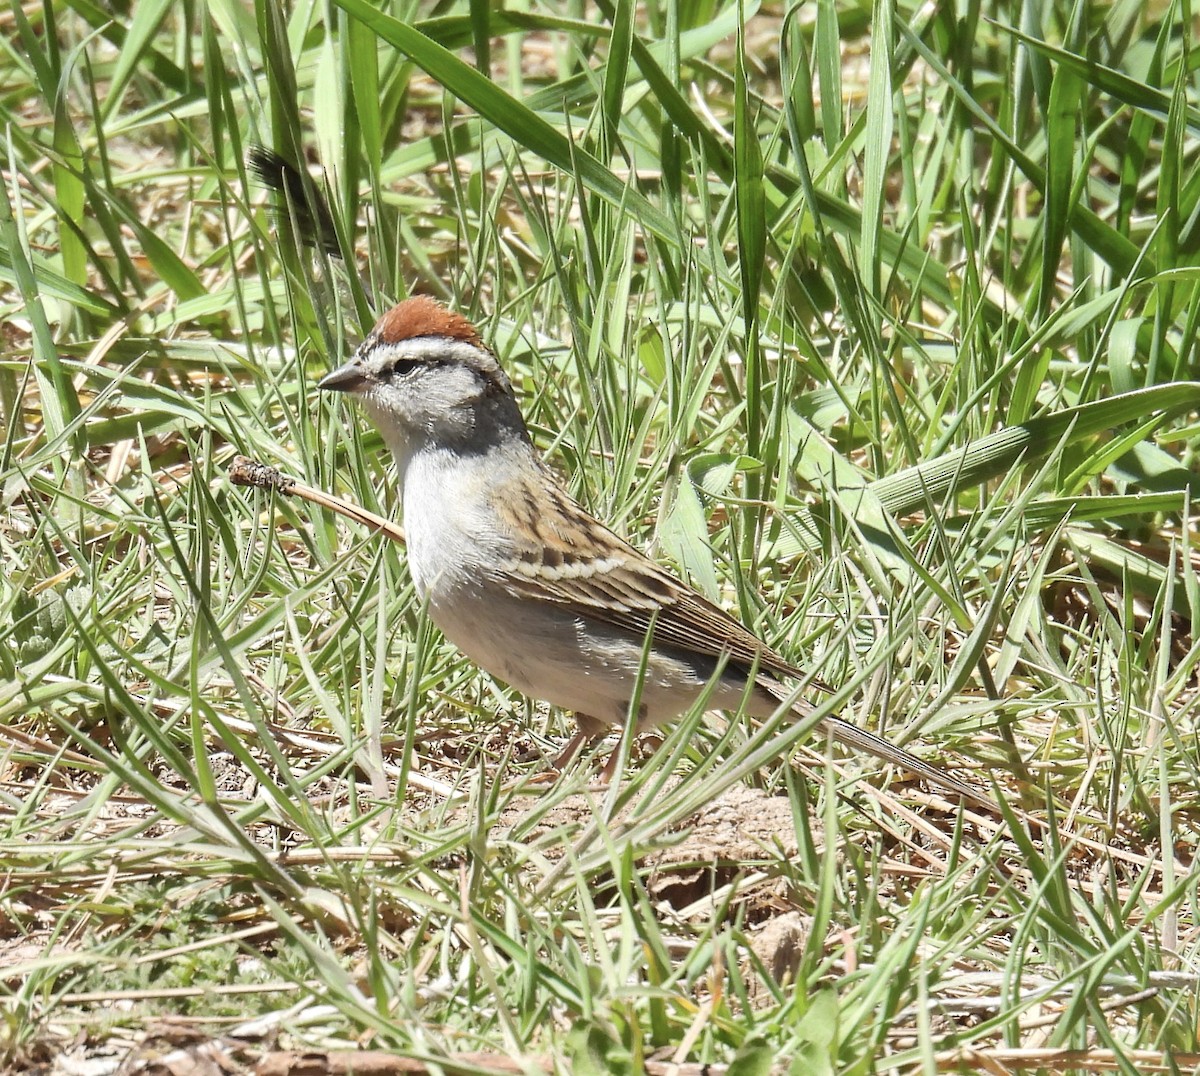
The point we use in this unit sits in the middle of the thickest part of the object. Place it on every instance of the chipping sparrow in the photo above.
(521, 578)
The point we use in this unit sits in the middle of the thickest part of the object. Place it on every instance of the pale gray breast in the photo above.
(451, 529)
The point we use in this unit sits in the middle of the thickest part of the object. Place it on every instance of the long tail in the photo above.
(861, 740)
(305, 200)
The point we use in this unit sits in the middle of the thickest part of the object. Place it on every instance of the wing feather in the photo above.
(570, 558)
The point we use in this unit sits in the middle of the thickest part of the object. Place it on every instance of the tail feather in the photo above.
(309, 207)
(861, 740)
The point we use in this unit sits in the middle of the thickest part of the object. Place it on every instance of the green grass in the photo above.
(876, 322)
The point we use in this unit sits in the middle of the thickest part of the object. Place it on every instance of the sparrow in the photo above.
(524, 580)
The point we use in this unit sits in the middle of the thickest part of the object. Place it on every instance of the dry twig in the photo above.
(244, 471)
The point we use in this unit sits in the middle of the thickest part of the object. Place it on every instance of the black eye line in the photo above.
(406, 364)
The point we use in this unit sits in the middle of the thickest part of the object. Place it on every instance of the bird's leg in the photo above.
(610, 767)
(589, 729)
(614, 760)
(567, 753)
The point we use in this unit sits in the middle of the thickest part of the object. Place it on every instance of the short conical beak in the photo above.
(348, 378)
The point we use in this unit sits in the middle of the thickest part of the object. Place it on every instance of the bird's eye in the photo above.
(405, 366)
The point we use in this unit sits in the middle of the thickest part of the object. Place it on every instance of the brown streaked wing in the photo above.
(573, 559)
